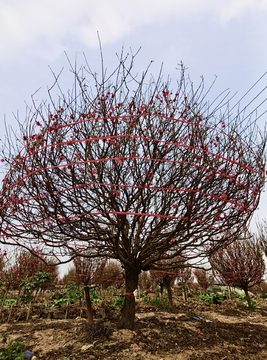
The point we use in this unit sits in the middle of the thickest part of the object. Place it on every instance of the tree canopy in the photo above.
(134, 170)
(240, 264)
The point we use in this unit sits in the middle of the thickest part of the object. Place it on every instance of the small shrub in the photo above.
(213, 298)
(253, 304)
(13, 350)
(118, 302)
(73, 294)
(9, 302)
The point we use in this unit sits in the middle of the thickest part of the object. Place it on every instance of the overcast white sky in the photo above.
(226, 38)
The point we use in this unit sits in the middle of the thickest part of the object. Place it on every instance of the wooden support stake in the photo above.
(4, 299)
(9, 315)
(81, 310)
(19, 314)
(185, 294)
(67, 311)
(29, 310)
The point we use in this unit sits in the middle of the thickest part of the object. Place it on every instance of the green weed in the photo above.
(163, 301)
(13, 350)
(212, 298)
(118, 302)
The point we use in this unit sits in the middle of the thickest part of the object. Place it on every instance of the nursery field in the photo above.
(191, 330)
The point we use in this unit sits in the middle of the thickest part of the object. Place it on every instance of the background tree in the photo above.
(27, 264)
(204, 278)
(184, 275)
(145, 281)
(3, 255)
(71, 277)
(184, 279)
(167, 278)
(126, 166)
(262, 234)
(9, 277)
(240, 264)
(112, 275)
(89, 272)
(22, 268)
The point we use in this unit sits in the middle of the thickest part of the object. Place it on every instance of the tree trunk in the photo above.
(169, 290)
(88, 305)
(185, 293)
(128, 310)
(248, 297)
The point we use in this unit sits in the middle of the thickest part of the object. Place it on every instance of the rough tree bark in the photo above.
(128, 310)
(169, 290)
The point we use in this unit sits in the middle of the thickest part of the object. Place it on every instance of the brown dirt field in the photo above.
(226, 332)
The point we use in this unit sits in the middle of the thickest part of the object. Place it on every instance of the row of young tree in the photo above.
(240, 265)
(25, 273)
(125, 167)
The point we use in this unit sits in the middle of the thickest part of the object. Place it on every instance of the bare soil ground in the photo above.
(226, 331)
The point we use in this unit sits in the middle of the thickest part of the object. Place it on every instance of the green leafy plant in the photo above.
(9, 302)
(253, 304)
(95, 295)
(163, 301)
(57, 303)
(193, 357)
(13, 350)
(72, 294)
(33, 283)
(112, 291)
(118, 302)
(240, 297)
(213, 298)
(100, 346)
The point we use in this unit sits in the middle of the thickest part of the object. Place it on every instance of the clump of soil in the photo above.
(190, 330)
